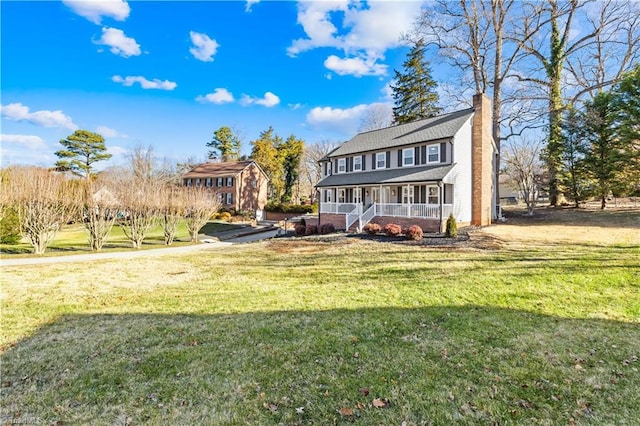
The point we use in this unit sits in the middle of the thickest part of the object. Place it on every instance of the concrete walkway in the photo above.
(237, 237)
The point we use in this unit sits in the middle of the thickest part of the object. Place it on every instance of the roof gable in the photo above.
(430, 129)
(229, 168)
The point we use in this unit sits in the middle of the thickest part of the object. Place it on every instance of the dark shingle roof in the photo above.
(387, 176)
(430, 129)
(229, 168)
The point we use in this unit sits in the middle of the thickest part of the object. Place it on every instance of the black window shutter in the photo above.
(399, 158)
(335, 165)
(443, 152)
(416, 194)
(388, 162)
(416, 156)
(373, 161)
(424, 155)
(350, 164)
(364, 162)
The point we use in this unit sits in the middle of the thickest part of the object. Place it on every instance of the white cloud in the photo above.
(219, 96)
(27, 141)
(366, 30)
(203, 47)
(269, 100)
(354, 66)
(250, 3)
(95, 10)
(144, 83)
(120, 44)
(295, 106)
(108, 132)
(117, 150)
(336, 119)
(44, 118)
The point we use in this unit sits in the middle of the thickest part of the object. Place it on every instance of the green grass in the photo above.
(313, 332)
(72, 239)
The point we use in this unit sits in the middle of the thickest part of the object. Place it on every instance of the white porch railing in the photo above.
(354, 211)
(337, 208)
(353, 216)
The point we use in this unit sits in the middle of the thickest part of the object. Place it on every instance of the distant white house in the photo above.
(415, 173)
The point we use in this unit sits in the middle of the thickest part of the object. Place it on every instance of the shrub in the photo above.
(392, 230)
(414, 233)
(10, 228)
(452, 227)
(225, 216)
(372, 228)
(300, 229)
(303, 222)
(327, 228)
(311, 230)
(290, 208)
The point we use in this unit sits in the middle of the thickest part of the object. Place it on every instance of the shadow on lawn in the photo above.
(438, 365)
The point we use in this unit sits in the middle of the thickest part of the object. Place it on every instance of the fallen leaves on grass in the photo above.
(364, 391)
(270, 406)
(380, 402)
(346, 411)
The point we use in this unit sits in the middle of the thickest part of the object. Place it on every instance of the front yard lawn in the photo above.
(324, 332)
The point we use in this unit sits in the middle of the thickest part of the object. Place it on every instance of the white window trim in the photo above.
(428, 155)
(342, 163)
(342, 196)
(229, 198)
(407, 194)
(229, 181)
(327, 195)
(359, 163)
(404, 157)
(437, 194)
(380, 155)
(219, 182)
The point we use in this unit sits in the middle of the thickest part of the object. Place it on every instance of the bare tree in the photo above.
(199, 205)
(172, 208)
(377, 116)
(45, 201)
(140, 201)
(524, 167)
(99, 212)
(310, 171)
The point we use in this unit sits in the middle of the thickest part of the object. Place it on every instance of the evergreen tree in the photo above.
(291, 153)
(574, 173)
(627, 105)
(82, 149)
(414, 92)
(265, 152)
(606, 156)
(225, 145)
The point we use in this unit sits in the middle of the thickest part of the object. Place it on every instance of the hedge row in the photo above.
(291, 208)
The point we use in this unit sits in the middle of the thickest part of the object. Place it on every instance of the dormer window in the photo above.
(433, 154)
(357, 163)
(342, 165)
(407, 157)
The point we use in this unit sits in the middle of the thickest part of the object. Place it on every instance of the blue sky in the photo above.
(167, 74)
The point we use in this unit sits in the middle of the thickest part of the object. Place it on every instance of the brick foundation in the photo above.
(427, 225)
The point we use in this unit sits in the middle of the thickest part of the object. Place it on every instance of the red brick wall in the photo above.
(337, 220)
(481, 161)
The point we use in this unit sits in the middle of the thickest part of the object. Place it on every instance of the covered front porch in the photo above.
(359, 205)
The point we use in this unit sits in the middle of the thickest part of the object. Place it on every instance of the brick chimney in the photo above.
(481, 161)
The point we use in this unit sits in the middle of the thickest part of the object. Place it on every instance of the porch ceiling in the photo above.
(388, 176)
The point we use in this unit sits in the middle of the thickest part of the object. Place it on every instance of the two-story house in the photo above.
(415, 173)
(239, 185)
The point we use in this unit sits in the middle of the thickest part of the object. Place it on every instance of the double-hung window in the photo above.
(229, 181)
(198, 182)
(229, 198)
(219, 182)
(357, 163)
(208, 182)
(188, 182)
(433, 154)
(407, 156)
(342, 165)
(342, 196)
(381, 160)
(433, 195)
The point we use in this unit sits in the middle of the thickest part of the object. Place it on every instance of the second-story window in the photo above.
(381, 160)
(219, 182)
(357, 163)
(407, 156)
(209, 182)
(342, 165)
(188, 182)
(198, 182)
(433, 154)
(229, 181)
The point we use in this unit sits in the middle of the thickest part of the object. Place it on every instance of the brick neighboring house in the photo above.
(240, 185)
(414, 173)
